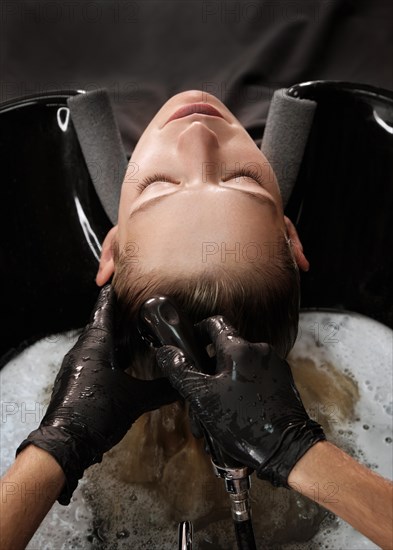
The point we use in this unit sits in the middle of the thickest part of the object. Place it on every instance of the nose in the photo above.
(198, 148)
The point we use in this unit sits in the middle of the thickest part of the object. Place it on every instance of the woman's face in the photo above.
(214, 200)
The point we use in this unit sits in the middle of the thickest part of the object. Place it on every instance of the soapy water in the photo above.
(110, 510)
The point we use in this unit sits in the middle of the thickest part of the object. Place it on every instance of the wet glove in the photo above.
(250, 406)
(93, 403)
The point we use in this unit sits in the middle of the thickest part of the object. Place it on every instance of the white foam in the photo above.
(106, 513)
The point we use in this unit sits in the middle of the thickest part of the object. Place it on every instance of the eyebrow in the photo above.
(256, 197)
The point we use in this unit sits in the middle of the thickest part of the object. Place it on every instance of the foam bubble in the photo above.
(111, 513)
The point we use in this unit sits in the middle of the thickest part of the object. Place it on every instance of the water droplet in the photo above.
(85, 358)
(123, 534)
(366, 426)
(269, 428)
(388, 409)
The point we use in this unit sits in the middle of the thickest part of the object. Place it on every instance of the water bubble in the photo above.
(123, 534)
(250, 420)
(366, 427)
(388, 439)
(269, 428)
(388, 409)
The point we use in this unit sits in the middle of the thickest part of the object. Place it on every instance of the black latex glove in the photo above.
(93, 403)
(251, 406)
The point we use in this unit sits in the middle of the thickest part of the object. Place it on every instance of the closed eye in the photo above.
(246, 173)
(153, 179)
(252, 174)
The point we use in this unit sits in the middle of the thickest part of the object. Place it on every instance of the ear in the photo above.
(107, 264)
(297, 246)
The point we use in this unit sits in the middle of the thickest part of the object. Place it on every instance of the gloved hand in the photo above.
(251, 406)
(93, 403)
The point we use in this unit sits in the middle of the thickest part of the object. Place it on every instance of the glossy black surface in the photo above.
(343, 199)
(162, 323)
(51, 223)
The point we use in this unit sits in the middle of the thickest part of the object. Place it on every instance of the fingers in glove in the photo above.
(96, 341)
(221, 333)
(103, 312)
(216, 327)
(197, 429)
(180, 371)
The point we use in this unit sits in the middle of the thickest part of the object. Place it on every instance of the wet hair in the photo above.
(261, 300)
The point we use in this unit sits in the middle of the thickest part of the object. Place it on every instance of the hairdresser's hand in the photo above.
(250, 406)
(93, 403)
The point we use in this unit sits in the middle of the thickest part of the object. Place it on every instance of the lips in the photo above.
(195, 108)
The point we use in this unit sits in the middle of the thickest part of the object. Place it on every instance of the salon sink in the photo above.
(350, 351)
(343, 199)
(52, 222)
(50, 238)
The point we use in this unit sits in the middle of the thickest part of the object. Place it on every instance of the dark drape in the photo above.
(144, 51)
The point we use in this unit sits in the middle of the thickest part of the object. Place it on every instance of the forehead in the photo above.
(188, 229)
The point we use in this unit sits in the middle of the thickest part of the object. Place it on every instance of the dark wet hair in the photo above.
(261, 300)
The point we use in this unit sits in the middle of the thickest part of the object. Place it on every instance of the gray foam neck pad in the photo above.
(287, 128)
(101, 144)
